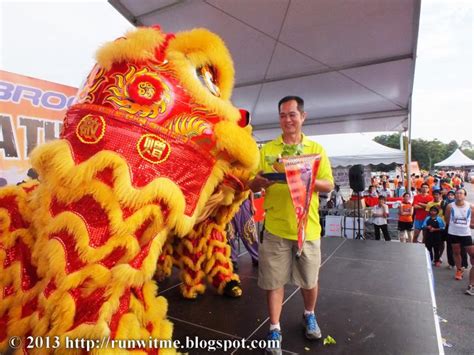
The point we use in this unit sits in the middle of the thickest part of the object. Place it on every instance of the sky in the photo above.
(443, 88)
(31, 32)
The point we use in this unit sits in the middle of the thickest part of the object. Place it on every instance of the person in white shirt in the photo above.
(372, 191)
(460, 222)
(380, 215)
(336, 197)
(385, 191)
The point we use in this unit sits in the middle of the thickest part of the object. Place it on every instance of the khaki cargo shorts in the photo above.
(278, 265)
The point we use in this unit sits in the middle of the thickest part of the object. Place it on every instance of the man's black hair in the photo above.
(299, 102)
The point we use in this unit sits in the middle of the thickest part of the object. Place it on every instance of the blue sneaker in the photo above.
(274, 342)
(311, 327)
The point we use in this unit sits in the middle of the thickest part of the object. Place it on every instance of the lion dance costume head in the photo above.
(152, 148)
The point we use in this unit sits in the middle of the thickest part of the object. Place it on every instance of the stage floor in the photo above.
(375, 297)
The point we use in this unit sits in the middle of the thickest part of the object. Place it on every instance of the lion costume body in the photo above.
(153, 160)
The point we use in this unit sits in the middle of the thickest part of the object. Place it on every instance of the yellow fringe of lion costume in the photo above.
(152, 154)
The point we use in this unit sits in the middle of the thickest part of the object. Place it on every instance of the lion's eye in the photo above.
(245, 118)
(208, 78)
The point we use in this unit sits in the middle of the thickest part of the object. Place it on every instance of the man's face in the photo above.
(460, 196)
(291, 120)
(424, 189)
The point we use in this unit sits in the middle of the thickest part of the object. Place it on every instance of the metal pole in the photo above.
(403, 167)
(408, 153)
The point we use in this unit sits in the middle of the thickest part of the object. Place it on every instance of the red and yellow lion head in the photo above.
(162, 103)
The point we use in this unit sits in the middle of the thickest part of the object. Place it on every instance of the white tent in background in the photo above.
(352, 149)
(457, 159)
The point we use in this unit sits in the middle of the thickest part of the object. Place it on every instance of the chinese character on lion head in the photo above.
(152, 164)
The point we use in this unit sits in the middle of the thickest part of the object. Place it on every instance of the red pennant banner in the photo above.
(301, 172)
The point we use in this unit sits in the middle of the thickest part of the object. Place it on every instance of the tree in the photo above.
(467, 148)
(436, 152)
(465, 144)
(451, 147)
(389, 140)
(425, 152)
(469, 153)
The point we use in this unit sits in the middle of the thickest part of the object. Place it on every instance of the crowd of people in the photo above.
(440, 180)
(435, 212)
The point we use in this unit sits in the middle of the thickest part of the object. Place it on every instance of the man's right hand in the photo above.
(259, 182)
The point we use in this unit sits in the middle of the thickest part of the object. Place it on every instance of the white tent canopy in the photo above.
(352, 149)
(352, 61)
(457, 159)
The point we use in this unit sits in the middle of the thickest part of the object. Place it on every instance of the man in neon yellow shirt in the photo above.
(278, 264)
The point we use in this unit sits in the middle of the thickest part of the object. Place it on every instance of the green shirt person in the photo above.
(278, 264)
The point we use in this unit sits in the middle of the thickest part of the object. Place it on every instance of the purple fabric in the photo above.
(243, 226)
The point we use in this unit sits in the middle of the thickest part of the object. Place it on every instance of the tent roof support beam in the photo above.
(325, 71)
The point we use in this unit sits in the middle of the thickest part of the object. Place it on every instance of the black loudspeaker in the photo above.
(356, 178)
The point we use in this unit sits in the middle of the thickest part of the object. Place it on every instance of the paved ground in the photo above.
(375, 298)
(454, 306)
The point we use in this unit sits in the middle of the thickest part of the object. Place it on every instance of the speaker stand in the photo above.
(359, 234)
